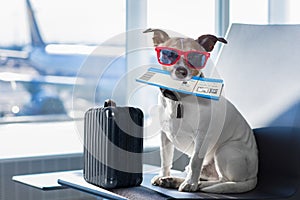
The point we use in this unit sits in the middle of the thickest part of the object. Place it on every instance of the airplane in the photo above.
(60, 66)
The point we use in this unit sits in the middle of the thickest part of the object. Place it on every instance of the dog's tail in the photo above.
(231, 187)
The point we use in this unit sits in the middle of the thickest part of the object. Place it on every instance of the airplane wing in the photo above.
(52, 80)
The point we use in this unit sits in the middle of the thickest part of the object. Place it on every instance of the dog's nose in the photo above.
(181, 72)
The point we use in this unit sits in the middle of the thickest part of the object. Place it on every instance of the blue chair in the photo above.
(279, 163)
(260, 66)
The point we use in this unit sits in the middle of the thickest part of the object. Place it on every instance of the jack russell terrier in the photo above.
(220, 143)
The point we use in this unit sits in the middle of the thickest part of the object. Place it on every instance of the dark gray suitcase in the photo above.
(113, 146)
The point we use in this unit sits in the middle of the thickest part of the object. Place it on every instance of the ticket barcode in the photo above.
(147, 76)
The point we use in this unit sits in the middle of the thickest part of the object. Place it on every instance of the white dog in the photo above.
(219, 141)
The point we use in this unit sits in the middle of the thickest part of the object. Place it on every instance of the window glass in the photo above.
(191, 18)
(86, 21)
(293, 14)
(38, 80)
(13, 23)
(249, 11)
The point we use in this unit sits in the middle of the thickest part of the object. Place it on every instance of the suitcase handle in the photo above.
(110, 103)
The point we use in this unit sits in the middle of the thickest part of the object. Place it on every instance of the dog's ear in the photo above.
(208, 41)
(159, 36)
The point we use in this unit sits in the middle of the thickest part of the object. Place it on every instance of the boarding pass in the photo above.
(202, 87)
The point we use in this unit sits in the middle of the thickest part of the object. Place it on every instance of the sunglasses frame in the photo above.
(180, 53)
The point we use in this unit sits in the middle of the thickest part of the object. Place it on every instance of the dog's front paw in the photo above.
(156, 180)
(188, 186)
(170, 182)
(167, 182)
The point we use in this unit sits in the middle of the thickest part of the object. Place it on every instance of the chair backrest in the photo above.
(260, 66)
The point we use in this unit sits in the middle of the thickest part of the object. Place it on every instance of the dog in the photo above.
(219, 141)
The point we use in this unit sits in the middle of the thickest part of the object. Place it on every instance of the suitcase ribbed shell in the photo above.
(113, 146)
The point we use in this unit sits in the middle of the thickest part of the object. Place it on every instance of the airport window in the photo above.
(249, 11)
(93, 22)
(41, 52)
(45, 81)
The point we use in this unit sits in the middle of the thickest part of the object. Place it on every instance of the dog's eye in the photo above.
(168, 56)
(196, 59)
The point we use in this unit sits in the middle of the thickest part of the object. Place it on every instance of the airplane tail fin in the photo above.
(36, 38)
(231, 187)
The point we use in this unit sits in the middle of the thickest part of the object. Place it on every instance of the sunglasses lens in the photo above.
(167, 56)
(197, 60)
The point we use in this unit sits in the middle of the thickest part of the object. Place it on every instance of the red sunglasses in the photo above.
(169, 56)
